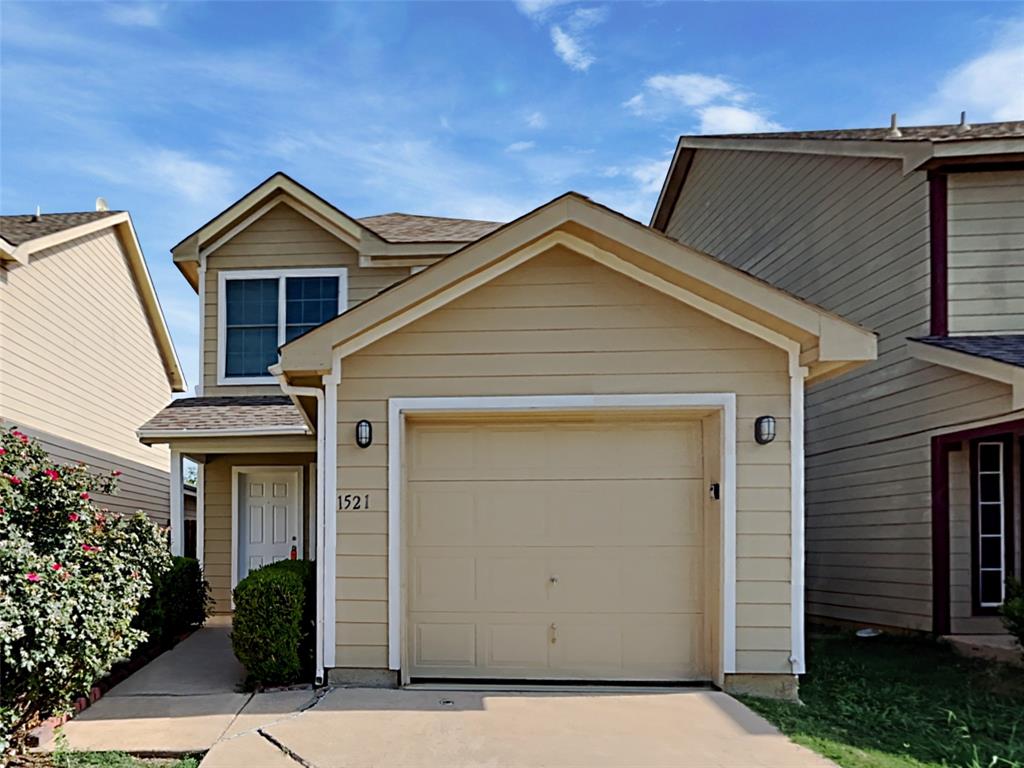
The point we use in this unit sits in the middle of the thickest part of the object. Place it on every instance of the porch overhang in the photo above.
(944, 352)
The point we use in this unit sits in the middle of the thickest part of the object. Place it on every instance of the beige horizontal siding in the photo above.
(140, 486)
(217, 514)
(77, 356)
(282, 239)
(986, 252)
(851, 235)
(603, 335)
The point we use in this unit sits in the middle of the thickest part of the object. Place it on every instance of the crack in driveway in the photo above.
(286, 750)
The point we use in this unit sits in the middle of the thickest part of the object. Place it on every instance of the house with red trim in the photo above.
(913, 461)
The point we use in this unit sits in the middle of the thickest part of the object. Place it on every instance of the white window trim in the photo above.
(280, 275)
(725, 402)
(1001, 473)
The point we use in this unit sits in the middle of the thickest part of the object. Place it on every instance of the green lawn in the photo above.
(116, 760)
(892, 702)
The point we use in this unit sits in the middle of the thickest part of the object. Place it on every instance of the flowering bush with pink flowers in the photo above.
(72, 577)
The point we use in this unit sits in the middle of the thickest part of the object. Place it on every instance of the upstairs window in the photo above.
(262, 309)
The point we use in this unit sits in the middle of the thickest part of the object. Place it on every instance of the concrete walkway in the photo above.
(182, 701)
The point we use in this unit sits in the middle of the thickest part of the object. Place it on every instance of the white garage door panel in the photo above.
(555, 550)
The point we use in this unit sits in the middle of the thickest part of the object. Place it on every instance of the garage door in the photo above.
(555, 550)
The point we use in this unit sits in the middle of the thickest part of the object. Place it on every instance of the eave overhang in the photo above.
(986, 368)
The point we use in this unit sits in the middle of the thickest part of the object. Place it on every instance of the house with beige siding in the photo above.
(914, 460)
(85, 355)
(566, 448)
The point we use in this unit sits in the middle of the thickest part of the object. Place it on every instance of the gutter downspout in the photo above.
(318, 393)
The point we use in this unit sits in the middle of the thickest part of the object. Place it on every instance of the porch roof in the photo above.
(1003, 348)
(225, 416)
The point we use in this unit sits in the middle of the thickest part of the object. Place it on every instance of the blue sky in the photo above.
(174, 110)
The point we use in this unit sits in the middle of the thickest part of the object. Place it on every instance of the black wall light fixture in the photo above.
(364, 433)
(764, 429)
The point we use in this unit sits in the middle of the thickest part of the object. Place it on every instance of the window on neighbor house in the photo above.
(262, 312)
(991, 491)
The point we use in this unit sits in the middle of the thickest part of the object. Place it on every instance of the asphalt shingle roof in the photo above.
(225, 413)
(22, 228)
(1010, 129)
(1008, 348)
(411, 228)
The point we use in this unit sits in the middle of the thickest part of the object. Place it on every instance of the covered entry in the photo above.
(558, 546)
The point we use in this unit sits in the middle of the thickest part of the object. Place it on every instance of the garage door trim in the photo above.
(725, 402)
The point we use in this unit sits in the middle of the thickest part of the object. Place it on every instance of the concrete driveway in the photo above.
(416, 728)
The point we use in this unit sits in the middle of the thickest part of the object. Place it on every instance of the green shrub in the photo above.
(1013, 610)
(72, 577)
(272, 629)
(180, 602)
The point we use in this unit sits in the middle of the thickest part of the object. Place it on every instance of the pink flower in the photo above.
(52, 474)
(2, 451)
(88, 548)
(20, 436)
(32, 576)
(55, 566)
(15, 480)
(116, 473)
(73, 517)
(85, 496)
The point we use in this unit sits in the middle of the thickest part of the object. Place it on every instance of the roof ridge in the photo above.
(426, 216)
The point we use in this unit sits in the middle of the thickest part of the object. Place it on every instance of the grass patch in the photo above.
(69, 759)
(900, 702)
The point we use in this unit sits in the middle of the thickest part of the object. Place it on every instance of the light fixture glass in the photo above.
(364, 433)
(764, 429)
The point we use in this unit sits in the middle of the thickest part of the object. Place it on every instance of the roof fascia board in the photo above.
(911, 153)
(150, 300)
(379, 249)
(154, 434)
(330, 226)
(22, 252)
(978, 147)
(672, 178)
(984, 367)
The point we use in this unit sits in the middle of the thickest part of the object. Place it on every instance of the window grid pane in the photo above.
(309, 302)
(251, 308)
(990, 516)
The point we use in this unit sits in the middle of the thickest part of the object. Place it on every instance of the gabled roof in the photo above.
(916, 147)
(1009, 129)
(823, 341)
(22, 228)
(31, 236)
(398, 236)
(413, 228)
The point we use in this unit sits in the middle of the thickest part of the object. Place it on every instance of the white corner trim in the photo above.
(201, 513)
(398, 407)
(201, 373)
(177, 505)
(224, 275)
(797, 519)
(330, 478)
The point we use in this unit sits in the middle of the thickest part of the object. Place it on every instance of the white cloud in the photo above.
(716, 102)
(136, 14)
(197, 181)
(568, 33)
(536, 120)
(520, 146)
(724, 118)
(990, 86)
(571, 50)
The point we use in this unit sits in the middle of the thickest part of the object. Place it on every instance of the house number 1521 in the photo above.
(354, 501)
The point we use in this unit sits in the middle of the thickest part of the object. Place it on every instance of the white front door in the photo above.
(270, 519)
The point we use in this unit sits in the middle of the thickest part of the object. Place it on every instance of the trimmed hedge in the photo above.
(180, 602)
(272, 630)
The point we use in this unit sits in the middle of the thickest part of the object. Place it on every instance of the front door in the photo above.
(269, 518)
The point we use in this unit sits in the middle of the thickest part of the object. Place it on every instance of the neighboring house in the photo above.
(85, 355)
(913, 462)
(533, 459)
